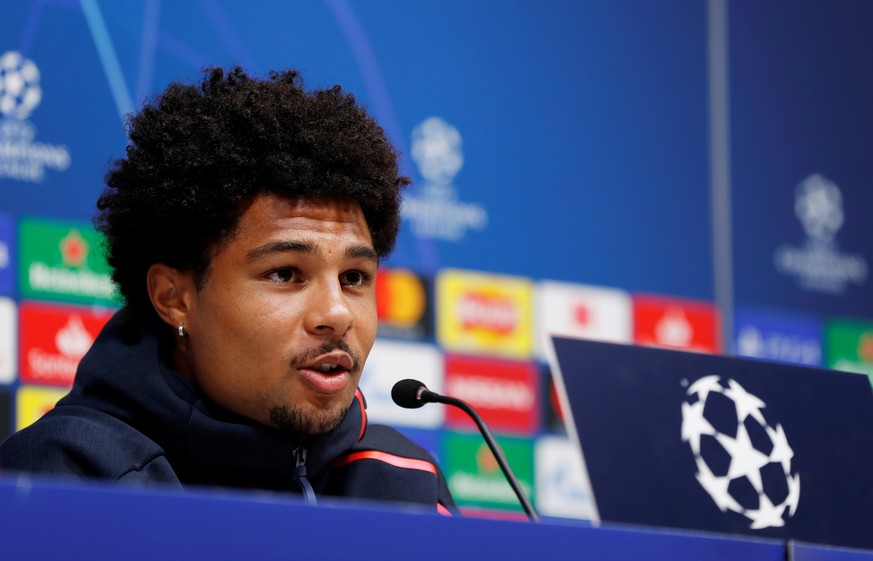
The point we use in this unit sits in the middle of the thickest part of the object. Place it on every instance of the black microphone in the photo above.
(412, 394)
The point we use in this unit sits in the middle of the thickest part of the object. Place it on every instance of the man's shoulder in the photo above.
(80, 442)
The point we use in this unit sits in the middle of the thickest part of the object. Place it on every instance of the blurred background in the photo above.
(684, 173)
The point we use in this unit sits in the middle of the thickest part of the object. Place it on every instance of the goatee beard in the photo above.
(308, 420)
(294, 422)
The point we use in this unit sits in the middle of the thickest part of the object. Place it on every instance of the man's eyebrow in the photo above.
(353, 252)
(280, 247)
(362, 252)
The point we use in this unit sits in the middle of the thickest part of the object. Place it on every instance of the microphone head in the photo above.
(405, 393)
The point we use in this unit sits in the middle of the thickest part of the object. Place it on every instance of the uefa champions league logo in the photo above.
(820, 265)
(437, 212)
(743, 462)
(22, 156)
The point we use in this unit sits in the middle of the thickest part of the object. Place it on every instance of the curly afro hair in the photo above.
(198, 155)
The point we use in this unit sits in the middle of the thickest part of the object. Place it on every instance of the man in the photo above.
(244, 228)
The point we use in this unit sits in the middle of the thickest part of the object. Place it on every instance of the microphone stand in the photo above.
(427, 395)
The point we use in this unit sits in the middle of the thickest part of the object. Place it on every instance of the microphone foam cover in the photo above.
(405, 393)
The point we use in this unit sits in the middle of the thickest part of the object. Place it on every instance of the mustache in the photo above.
(324, 348)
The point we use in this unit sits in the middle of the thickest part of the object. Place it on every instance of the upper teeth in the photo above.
(326, 367)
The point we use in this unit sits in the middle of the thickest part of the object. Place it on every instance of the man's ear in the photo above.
(171, 292)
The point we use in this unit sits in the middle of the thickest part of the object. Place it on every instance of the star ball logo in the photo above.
(20, 92)
(743, 462)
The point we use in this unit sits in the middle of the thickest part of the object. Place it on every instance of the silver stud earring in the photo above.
(182, 333)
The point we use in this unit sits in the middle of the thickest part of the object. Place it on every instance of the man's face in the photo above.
(282, 326)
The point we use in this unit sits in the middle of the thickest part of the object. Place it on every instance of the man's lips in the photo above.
(332, 362)
(329, 373)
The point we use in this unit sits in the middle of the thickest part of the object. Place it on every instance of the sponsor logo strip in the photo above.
(54, 338)
(485, 314)
(505, 393)
(63, 261)
(676, 323)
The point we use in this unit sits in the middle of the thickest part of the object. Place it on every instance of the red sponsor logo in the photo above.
(676, 323)
(54, 338)
(74, 249)
(503, 392)
(495, 313)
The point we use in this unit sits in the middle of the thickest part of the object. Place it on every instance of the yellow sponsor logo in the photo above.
(32, 402)
(486, 314)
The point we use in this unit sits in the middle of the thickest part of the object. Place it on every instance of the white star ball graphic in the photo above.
(746, 459)
(20, 91)
(818, 204)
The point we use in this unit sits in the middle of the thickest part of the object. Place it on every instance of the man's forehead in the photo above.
(301, 224)
(269, 204)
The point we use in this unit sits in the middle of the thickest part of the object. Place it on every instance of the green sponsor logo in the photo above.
(474, 476)
(850, 346)
(63, 261)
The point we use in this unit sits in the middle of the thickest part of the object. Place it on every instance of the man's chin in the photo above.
(306, 421)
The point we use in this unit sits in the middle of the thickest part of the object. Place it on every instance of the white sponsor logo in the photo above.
(21, 157)
(493, 313)
(73, 340)
(674, 329)
(561, 480)
(473, 487)
(787, 347)
(80, 283)
(436, 212)
(748, 459)
(8, 341)
(388, 363)
(493, 393)
(4, 255)
(819, 265)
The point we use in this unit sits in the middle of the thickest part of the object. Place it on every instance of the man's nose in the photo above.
(328, 311)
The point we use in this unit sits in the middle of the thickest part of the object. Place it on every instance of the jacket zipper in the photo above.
(299, 454)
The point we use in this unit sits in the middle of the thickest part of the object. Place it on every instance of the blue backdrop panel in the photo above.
(800, 106)
(583, 124)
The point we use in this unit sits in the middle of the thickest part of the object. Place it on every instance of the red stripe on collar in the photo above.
(360, 397)
(385, 457)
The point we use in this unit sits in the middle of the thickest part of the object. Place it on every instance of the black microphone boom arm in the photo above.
(413, 394)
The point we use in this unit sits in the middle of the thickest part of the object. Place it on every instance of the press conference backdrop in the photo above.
(684, 173)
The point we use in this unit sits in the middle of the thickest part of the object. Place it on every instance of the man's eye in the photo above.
(282, 275)
(354, 278)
